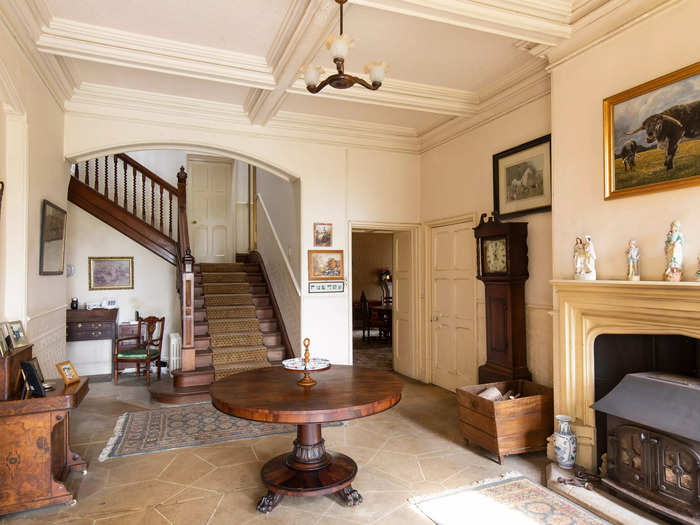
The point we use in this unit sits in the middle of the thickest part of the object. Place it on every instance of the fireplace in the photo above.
(653, 442)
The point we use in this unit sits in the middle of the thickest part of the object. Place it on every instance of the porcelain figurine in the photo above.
(632, 261)
(565, 443)
(673, 248)
(579, 258)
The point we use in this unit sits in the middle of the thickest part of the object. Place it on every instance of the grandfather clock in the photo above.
(501, 253)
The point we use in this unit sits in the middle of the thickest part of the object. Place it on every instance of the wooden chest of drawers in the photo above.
(91, 325)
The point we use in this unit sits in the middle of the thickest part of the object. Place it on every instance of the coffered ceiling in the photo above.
(453, 63)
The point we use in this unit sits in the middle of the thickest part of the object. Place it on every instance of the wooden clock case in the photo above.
(506, 344)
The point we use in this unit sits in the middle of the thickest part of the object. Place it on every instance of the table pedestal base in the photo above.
(309, 470)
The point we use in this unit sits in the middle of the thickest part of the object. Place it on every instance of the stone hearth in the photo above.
(586, 309)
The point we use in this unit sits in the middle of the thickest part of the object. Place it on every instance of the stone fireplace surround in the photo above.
(585, 309)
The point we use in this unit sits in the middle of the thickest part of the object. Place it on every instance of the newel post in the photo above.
(188, 349)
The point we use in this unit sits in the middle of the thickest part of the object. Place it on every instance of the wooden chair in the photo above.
(144, 347)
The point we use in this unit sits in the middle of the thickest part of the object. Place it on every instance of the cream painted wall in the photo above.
(456, 179)
(337, 185)
(36, 153)
(154, 290)
(370, 253)
(655, 46)
(282, 200)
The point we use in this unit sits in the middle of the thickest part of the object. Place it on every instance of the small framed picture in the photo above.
(32, 377)
(326, 265)
(323, 235)
(67, 372)
(53, 239)
(39, 373)
(17, 335)
(327, 287)
(522, 179)
(111, 273)
(4, 349)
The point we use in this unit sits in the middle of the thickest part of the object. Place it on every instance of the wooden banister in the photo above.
(148, 173)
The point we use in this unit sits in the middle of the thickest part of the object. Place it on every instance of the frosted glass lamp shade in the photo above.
(339, 45)
(377, 71)
(312, 75)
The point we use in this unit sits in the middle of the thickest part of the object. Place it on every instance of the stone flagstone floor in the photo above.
(413, 449)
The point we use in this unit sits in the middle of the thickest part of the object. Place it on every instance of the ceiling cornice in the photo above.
(402, 94)
(101, 101)
(526, 85)
(113, 46)
(25, 19)
(532, 20)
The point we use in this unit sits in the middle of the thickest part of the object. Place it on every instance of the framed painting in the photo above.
(652, 135)
(68, 373)
(17, 335)
(522, 179)
(323, 235)
(111, 273)
(326, 265)
(53, 239)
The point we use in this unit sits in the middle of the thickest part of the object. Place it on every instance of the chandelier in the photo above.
(339, 47)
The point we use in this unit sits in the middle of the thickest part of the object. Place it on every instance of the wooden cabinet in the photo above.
(91, 325)
(35, 454)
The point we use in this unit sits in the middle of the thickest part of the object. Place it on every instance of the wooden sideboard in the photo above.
(91, 325)
(35, 453)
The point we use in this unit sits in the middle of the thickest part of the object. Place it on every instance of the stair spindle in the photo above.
(133, 171)
(97, 176)
(116, 170)
(106, 176)
(76, 173)
(87, 173)
(126, 207)
(143, 197)
(170, 215)
(160, 208)
(153, 204)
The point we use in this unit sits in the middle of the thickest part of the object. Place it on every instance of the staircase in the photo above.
(230, 319)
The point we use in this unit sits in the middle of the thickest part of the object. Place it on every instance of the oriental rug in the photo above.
(510, 499)
(183, 426)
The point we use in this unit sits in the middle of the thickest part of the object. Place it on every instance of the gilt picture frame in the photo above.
(111, 273)
(522, 179)
(52, 245)
(326, 265)
(323, 235)
(68, 373)
(651, 135)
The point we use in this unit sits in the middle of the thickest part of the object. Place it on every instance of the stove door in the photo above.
(680, 466)
(630, 460)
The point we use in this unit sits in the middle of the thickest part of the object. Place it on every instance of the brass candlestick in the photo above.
(306, 381)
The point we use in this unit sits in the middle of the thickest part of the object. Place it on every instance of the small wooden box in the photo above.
(507, 427)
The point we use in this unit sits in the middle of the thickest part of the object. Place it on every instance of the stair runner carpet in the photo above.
(235, 337)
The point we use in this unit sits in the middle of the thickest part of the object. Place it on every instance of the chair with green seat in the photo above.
(143, 348)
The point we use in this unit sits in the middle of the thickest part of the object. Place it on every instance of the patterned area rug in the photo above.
(183, 426)
(511, 499)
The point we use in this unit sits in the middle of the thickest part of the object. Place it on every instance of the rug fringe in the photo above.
(118, 432)
(508, 475)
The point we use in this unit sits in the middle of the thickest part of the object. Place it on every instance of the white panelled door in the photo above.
(403, 333)
(209, 210)
(453, 341)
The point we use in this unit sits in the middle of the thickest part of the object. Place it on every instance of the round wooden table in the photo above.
(272, 395)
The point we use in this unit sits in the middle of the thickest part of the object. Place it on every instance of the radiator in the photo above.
(175, 357)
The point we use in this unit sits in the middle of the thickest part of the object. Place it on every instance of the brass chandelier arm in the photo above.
(343, 81)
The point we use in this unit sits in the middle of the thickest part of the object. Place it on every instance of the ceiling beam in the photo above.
(314, 24)
(401, 94)
(531, 20)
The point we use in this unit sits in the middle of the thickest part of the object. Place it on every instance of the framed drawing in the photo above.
(68, 373)
(17, 335)
(31, 375)
(111, 273)
(522, 179)
(53, 239)
(327, 287)
(323, 235)
(652, 135)
(326, 265)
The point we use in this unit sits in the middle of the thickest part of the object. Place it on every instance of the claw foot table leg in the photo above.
(350, 496)
(269, 501)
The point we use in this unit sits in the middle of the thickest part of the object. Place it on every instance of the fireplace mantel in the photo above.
(584, 310)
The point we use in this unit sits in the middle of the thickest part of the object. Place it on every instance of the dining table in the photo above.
(273, 395)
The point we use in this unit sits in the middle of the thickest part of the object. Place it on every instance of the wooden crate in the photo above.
(507, 427)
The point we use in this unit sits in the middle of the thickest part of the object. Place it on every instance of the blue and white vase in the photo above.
(565, 443)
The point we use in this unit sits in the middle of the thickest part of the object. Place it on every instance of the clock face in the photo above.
(495, 256)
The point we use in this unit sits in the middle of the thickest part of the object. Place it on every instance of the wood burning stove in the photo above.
(653, 442)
